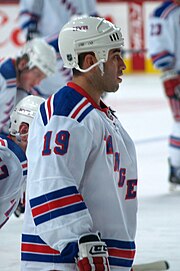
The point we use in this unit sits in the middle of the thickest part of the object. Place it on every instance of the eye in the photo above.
(117, 56)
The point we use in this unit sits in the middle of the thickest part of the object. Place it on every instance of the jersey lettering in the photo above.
(131, 184)
(122, 177)
(47, 139)
(131, 192)
(61, 141)
(3, 171)
(156, 29)
(109, 145)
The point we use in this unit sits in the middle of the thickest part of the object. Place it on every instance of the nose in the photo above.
(122, 64)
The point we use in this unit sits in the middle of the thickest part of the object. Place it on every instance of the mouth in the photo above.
(119, 78)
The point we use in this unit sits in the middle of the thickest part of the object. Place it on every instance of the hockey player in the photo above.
(45, 18)
(37, 60)
(82, 172)
(13, 162)
(164, 48)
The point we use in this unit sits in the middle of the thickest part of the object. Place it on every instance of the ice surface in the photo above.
(144, 112)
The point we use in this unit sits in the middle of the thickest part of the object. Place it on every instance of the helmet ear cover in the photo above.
(88, 34)
(24, 112)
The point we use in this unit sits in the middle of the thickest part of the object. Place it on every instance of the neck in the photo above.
(89, 86)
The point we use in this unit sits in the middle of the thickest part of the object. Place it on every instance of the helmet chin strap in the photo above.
(99, 63)
(18, 136)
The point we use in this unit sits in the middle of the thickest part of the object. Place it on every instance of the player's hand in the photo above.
(32, 32)
(93, 254)
(171, 82)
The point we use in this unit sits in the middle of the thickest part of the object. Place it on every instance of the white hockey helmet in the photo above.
(88, 34)
(41, 55)
(24, 111)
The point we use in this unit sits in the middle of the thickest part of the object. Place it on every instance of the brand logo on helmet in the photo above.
(80, 27)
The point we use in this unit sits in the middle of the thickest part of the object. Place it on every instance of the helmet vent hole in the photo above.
(114, 37)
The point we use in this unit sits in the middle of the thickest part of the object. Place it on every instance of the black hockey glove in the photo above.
(32, 32)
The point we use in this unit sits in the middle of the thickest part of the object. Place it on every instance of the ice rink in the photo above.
(144, 112)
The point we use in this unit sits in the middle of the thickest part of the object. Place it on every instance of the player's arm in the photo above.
(29, 16)
(58, 208)
(161, 44)
(162, 51)
(11, 182)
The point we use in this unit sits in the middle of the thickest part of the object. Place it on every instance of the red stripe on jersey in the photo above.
(79, 108)
(11, 81)
(49, 107)
(38, 248)
(24, 165)
(2, 142)
(167, 11)
(113, 252)
(159, 55)
(175, 142)
(56, 204)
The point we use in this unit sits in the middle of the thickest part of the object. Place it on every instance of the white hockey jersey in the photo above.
(82, 177)
(50, 16)
(164, 36)
(13, 173)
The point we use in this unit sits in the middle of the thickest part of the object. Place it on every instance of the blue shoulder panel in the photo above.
(15, 148)
(64, 101)
(165, 9)
(7, 69)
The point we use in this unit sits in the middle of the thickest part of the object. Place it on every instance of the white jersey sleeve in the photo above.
(54, 189)
(13, 171)
(163, 36)
(8, 92)
(29, 14)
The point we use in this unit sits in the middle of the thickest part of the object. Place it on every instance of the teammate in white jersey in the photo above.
(13, 162)
(45, 18)
(164, 48)
(82, 171)
(17, 76)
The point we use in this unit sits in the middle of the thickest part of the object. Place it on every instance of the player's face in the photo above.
(30, 78)
(113, 70)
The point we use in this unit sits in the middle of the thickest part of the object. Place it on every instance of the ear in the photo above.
(89, 60)
(22, 64)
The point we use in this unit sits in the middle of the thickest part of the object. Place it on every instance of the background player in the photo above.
(81, 162)
(13, 162)
(164, 48)
(18, 76)
(35, 17)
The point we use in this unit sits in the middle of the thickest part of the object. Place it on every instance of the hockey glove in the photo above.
(93, 254)
(171, 83)
(32, 32)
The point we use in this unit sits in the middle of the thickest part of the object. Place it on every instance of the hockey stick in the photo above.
(154, 266)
